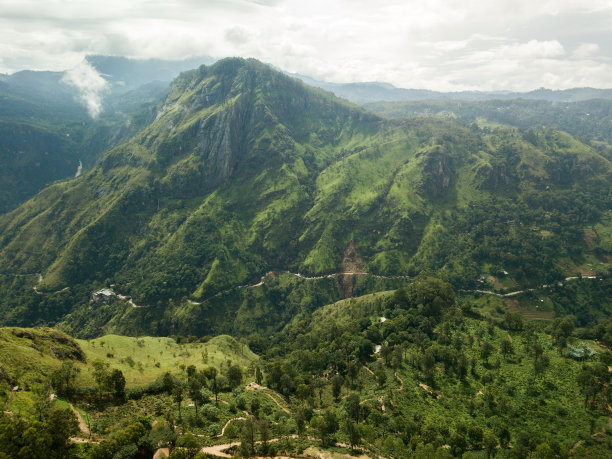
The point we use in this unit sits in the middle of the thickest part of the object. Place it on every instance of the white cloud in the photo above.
(438, 44)
(585, 50)
(90, 84)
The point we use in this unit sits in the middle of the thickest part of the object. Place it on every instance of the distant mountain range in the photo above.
(360, 93)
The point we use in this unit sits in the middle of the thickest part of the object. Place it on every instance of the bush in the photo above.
(210, 412)
(241, 402)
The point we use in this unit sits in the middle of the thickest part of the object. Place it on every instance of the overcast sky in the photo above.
(434, 44)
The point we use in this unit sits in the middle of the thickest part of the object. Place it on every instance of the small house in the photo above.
(104, 295)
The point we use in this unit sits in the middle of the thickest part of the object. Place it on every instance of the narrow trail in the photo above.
(40, 279)
(228, 423)
(325, 276)
(380, 399)
(578, 443)
(401, 387)
(430, 390)
(368, 370)
(82, 424)
(9, 400)
(284, 408)
(377, 276)
(298, 275)
(126, 298)
(161, 452)
(219, 450)
(599, 432)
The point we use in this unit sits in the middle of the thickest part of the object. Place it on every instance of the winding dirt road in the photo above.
(228, 423)
(518, 292)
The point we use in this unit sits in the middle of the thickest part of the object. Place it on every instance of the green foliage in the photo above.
(49, 437)
(445, 396)
(247, 171)
(332, 241)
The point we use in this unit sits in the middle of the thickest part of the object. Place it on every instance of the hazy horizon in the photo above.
(444, 45)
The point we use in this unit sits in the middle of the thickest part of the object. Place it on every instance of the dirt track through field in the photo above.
(401, 387)
(82, 424)
(228, 423)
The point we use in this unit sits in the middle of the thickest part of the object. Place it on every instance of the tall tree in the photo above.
(116, 382)
(351, 429)
(177, 395)
(195, 393)
(247, 437)
(234, 376)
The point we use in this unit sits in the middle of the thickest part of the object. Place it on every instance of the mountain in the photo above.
(245, 172)
(47, 133)
(589, 120)
(368, 92)
(46, 128)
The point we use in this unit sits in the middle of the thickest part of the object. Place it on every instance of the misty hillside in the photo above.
(47, 130)
(402, 250)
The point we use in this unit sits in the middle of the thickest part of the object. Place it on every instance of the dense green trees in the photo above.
(109, 380)
(49, 437)
(461, 385)
(63, 378)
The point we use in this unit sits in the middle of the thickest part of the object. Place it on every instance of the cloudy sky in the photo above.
(434, 44)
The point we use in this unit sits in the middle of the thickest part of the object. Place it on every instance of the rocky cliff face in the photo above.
(493, 176)
(218, 147)
(439, 172)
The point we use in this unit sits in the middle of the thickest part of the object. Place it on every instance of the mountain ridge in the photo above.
(375, 91)
(245, 170)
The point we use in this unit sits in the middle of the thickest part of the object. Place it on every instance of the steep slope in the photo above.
(246, 171)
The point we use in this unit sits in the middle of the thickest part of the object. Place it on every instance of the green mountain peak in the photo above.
(246, 171)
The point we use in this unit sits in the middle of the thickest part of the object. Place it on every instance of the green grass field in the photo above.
(31, 355)
(144, 359)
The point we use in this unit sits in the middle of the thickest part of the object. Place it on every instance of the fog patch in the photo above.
(90, 84)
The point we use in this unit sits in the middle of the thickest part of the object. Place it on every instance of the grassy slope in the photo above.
(547, 406)
(29, 355)
(137, 357)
